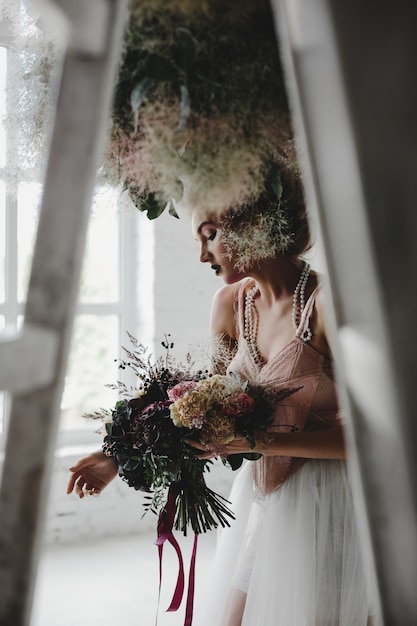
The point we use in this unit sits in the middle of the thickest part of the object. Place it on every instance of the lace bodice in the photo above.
(312, 407)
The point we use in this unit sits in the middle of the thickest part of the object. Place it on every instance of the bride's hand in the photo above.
(91, 474)
(239, 445)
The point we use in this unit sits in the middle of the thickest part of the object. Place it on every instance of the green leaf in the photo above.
(130, 465)
(149, 204)
(274, 182)
(139, 92)
(184, 52)
(172, 210)
(160, 68)
(235, 461)
(154, 207)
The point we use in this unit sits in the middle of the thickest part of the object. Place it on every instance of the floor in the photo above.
(113, 581)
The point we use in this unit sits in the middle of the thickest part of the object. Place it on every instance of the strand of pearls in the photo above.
(298, 301)
(250, 329)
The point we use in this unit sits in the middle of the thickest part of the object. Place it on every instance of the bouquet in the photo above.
(219, 408)
(149, 431)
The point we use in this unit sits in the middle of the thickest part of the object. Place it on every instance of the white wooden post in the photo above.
(34, 365)
(351, 73)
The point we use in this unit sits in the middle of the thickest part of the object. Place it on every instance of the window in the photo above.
(108, 303)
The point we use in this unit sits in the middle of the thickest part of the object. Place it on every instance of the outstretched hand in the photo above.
(91, 474)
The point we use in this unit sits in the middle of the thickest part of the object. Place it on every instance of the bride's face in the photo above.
(208, 232)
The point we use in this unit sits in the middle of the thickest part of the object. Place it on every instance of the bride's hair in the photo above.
(275, 222)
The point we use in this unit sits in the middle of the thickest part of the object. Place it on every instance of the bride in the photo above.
(293, 557)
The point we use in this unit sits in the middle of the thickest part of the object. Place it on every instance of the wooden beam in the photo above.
(80, 125)
(351, 76)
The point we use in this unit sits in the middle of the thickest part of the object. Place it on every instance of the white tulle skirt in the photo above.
(293, 557)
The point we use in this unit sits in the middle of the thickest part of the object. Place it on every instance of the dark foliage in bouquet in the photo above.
(150, 450)
(150, 431)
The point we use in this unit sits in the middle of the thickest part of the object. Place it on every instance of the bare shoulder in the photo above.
(222, 320)
(320, 307)
(320, 333)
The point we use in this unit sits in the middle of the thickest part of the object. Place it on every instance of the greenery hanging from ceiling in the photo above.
(199, 104)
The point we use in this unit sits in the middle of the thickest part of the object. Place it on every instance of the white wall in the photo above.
(184, 287)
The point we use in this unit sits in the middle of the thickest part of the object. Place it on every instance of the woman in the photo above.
(292, 557)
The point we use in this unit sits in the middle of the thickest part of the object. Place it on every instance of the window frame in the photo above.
(135, 250)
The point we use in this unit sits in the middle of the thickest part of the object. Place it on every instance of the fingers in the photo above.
(76, 470)
(195, 444)
(71, 482)
(207, 456)
(83, 488)
(91, 490)
(207, 451)
(80, 485)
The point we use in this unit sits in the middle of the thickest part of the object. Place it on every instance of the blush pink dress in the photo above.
(294, 549)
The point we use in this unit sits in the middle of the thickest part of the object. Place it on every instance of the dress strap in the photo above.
(304, 331)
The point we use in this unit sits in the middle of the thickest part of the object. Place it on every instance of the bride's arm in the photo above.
(328, 443)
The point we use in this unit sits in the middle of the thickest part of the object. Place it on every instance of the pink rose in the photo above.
(237, 405)
(181, 389)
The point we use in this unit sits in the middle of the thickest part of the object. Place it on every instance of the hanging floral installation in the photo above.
(200, 115)
(200, 110)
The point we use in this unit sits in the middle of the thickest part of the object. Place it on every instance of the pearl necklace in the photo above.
(298, 303)
(250, 330)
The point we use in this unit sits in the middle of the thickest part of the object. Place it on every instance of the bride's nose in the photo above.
(204, 254)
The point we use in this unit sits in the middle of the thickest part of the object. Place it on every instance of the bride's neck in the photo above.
(277, 278)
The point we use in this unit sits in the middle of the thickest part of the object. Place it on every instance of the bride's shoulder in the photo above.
(223, 320)
(319, 315)
(228, 295)
(225, 295)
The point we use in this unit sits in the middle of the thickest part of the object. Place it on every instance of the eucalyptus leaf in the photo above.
(138, 95)
(140, 91)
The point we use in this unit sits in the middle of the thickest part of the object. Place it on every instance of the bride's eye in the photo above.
(212, 236)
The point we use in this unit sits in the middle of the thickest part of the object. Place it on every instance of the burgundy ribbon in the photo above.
(191, 582)
(165, 526)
